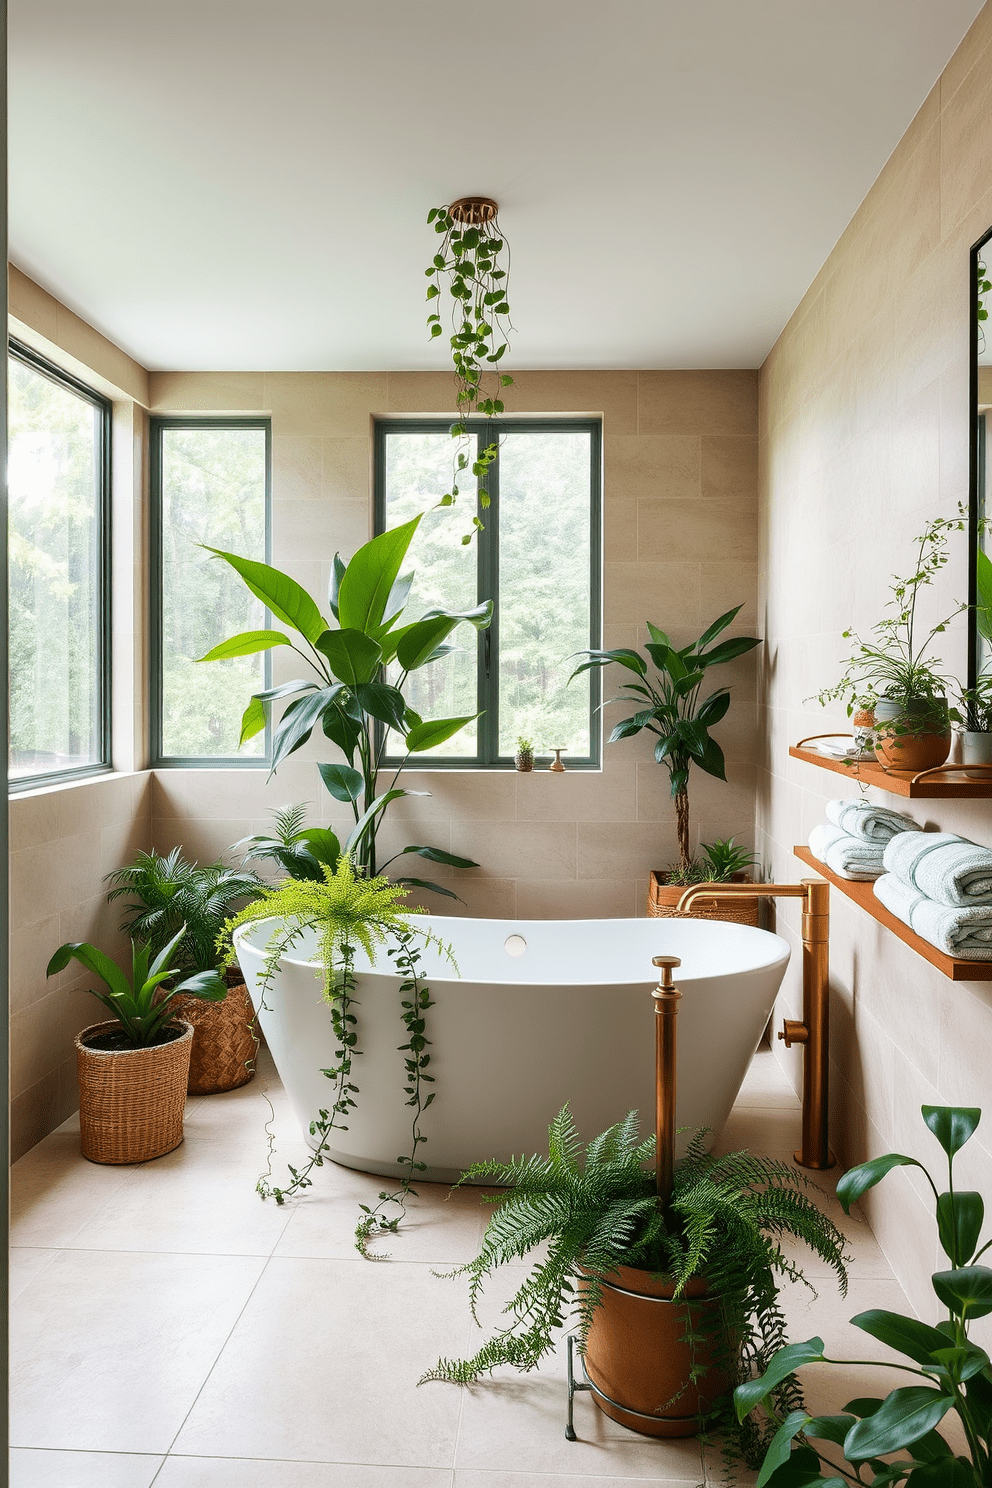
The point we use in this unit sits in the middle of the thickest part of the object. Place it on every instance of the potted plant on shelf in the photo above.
(721, 862)
(669, 706)
(713, 1251)
(975, 707)
(953, 1375)
(133, 1069)
(347, 695)
(174, 901)
(912, 719)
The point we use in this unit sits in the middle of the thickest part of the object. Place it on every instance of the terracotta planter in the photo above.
(663, 899)
(131, 1101)
(926, 747)
(224, 1041)
(637, 1361)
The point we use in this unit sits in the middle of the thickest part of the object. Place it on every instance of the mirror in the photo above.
(980, 501)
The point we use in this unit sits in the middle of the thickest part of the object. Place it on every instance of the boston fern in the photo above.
(953, 1376)
(669, 705)
(601, 1211)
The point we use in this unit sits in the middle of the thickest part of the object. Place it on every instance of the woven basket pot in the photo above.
(663, 899)
(636, 1358)
(224, 1044)
(925, 740)
(131, 1101)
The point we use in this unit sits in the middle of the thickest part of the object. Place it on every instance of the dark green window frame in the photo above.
(104, 764)
(486, 432)
(156, 426)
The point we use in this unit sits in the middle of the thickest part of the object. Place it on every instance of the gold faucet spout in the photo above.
(813, 1033)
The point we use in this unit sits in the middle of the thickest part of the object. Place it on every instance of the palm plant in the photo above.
(669, 706)
(601, 1210)
(178, 902)
(301, 851)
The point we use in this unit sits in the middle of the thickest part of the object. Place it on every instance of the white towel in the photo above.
(946, 868)
(873, 823)
(849, 857)
(965, 933)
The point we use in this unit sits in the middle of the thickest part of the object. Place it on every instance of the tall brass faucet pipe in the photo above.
(814, 1030)
(666, 1005)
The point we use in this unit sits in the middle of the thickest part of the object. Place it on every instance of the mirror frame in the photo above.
(974, 457)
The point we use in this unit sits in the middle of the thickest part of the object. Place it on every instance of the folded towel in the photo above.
(849, 857)
(946, 868)
(965, 933)
(873, 823)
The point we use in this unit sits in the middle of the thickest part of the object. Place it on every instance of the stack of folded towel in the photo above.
(941, 886)
(854, 838)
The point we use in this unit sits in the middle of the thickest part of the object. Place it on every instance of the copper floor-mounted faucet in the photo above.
(813, 1031)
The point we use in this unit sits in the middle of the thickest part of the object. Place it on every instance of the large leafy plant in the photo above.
(143, 1006)
(599, 1209)
(668, 705)
(346, 696)
(953, 1375)
(171, 897)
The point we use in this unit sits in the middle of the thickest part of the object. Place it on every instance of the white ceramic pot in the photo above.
(976, 749)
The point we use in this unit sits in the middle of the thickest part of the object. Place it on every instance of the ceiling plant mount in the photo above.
(472, 264)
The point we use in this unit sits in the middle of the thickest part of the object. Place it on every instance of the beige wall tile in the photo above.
(667, 594)
(28, 302)
(346, 470)
(660, 466)
(502, 848)
(208, 392)
(613, 394)
(698, 403)
(729, 470)
(325, 403)
(627, 850)
(693, 531)
(619, 530)
(588, 899)
(579, 795)
(421, 392)
(296, 467)
(965, 144)
(34, 1113)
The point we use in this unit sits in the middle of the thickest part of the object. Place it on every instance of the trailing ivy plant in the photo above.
(469, 264)
(350, 912)
(981, 313)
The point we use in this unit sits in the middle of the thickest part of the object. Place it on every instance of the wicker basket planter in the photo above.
(663, 899)
(224, 1043)
(131, 1101)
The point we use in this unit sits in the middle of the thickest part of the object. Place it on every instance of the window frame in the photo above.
(104, 617)
(488, 431)
(157, 424)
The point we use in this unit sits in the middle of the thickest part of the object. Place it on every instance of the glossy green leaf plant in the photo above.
(952, 1375)
(669, 706)
(346, 695)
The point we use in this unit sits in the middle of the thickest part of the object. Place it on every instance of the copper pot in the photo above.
(913, 735)
(638, 1362)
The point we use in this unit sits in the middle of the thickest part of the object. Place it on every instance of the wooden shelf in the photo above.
(863, 895)
(949, 786)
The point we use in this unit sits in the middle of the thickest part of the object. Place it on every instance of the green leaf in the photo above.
(207, 986)
(344, 783)
(322, 846)
(962, 1364)
(780, 1447)
(93, 960)
(694, 736)
(246, 644)
(714, 630)
(658, 636)
(859, 1180)
(278, 592)
(434, 888)
(622, 655)
(252, 721)
(902, 1418)
(952, 1125)
(383, 702)
(914, 1339)
(352, 655)
(714, 708)
(967, 1291)
(377, 807)
(419, 641)
(948, 1472)
(712, 761)
(829, 1428)
(369, 578)
(727, 651)
(297, 723)
(785, 1362)
(334, 584)
(438, 855)
(427, 735)
(983, 581)
(960, 1217)
(271, 694)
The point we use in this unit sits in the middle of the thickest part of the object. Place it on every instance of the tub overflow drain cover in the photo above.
(514, 945)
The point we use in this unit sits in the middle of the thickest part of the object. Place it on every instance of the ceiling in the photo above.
(242, 184)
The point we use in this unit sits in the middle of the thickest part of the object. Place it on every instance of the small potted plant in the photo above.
(721, 862)
(669, 706)
(133, 1069)
(169, 895)
(912, 719)
(524, 757)
(976, 712)
(712, 1251)
(946, 1375)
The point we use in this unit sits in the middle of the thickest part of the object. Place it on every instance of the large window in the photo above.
(537, 557)
(59, 480)
(210, 488)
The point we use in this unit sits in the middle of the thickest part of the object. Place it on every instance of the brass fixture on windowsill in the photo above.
(813, 1032)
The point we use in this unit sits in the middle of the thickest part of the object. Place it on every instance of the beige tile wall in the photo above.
(680, 487)
(863, 436)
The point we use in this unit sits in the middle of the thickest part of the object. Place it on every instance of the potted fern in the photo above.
(712, 1251)
(171, 900)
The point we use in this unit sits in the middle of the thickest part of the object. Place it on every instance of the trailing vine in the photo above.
(981, 314)
(470, 262)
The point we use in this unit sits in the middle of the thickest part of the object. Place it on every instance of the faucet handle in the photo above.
(667, 964)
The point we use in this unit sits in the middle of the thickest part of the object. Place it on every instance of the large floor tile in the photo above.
(471, 1478)
(243, 1472)
(47, 1469)
(323, 1366)
(54, 1191)
(25, 1264)
(112, 1348)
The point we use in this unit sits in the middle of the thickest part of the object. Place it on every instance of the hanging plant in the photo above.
(472, 264)
(981, 313)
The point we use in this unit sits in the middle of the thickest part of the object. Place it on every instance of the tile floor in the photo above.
(170, 1328)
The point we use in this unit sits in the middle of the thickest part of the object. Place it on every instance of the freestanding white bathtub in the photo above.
(544, 1012)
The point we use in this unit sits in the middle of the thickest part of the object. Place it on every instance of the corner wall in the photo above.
(864, 436)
